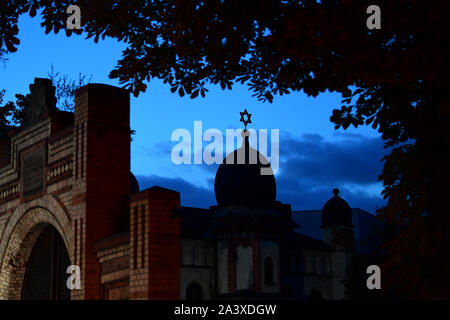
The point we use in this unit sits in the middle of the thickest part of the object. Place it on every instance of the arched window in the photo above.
(194, 291)
(269, 272)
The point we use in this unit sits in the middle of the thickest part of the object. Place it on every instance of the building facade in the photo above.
(67, 197)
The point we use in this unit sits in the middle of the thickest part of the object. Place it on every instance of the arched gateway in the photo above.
(66, 195)
(34, 251)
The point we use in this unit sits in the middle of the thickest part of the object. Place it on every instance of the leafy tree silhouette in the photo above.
(395, 79)
(65, 88)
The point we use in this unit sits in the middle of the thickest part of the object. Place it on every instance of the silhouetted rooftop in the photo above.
(195, 222)
(302, 242)
(336, 211)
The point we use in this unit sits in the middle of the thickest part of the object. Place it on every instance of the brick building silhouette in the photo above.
(67, 197)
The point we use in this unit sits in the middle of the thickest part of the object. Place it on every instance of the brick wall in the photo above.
(101, 174)
(86, 186)
(23, 218)
(155, 244)
(113, 254)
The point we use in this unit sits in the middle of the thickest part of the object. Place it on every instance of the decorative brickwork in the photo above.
(76, 174)
(114, 258)
(59, 171)
(84, 188)
(17, 239)
(100, 194)
(9, 192)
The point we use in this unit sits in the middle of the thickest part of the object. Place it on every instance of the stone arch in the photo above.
(22, 230)
(190, 277)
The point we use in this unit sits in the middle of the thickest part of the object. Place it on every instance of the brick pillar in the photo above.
(101, 175)
(155, 245)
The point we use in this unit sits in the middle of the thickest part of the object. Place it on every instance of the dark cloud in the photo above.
(159, 149)
(303, 196)
(350, 160)
(190, 194)
(310, 167)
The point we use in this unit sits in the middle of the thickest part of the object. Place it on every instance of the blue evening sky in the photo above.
(314, 157)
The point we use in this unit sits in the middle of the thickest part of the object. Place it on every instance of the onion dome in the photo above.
(336, 211)
(245, 177)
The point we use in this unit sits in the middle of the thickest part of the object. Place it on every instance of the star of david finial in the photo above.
(248, 118)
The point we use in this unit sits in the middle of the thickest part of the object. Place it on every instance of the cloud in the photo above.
(303, 196)
(310, 167)
(350, 160)
(190, 194)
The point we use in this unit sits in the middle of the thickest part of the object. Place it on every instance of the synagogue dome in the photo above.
(245, 177)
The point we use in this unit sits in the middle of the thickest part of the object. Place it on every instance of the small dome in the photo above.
(239, 180)
(336, 211)
(134, 184)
